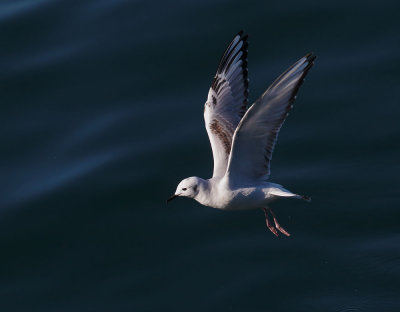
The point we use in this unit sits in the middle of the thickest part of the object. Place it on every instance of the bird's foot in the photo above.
(277, 226)
(268, 222)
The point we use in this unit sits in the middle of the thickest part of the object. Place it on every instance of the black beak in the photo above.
(172, 197)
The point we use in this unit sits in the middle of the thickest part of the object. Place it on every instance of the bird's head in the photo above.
(188, 188)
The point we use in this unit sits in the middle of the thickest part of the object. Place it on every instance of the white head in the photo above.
(188, 188)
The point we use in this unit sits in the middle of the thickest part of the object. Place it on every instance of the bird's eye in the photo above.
(184, 189)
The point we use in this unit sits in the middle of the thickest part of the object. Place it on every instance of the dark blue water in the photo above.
(101, 116)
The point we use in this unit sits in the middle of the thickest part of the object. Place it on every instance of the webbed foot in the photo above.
(277, 226)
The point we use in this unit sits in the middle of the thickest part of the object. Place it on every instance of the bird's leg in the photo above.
(269, 225)
(277, 225)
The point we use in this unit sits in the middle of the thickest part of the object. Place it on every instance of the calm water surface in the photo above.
(101, 116)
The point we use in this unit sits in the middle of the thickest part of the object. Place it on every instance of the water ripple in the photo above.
(14, 9)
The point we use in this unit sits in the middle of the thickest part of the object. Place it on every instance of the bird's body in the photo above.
(243, 138)
(217, 193)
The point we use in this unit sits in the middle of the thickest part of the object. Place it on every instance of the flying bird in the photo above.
(243, 138)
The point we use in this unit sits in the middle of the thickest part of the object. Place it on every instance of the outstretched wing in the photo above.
(256, 135)
(227, 101)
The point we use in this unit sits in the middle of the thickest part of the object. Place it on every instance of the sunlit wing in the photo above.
(256, 135)
(227, 101)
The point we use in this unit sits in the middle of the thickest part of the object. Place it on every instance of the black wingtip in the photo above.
(310, 57)
(308, 54)
(242, 35)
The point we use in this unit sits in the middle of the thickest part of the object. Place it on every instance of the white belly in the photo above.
(241, 199)
(245, 198)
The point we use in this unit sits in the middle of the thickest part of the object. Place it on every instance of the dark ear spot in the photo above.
(195, 188)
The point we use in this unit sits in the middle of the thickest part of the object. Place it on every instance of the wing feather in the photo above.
(255, 137)
(227, 101)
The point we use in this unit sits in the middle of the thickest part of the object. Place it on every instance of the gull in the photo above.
(243, 138)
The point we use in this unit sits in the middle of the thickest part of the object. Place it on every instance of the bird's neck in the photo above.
(208, 192)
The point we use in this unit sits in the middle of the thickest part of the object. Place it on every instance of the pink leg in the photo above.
(277, 225)
(269, 225)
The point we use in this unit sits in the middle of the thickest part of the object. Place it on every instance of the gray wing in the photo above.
(227, 101)
(256, 135)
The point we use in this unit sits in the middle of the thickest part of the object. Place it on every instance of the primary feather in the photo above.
(255, 136)
(227, 101)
